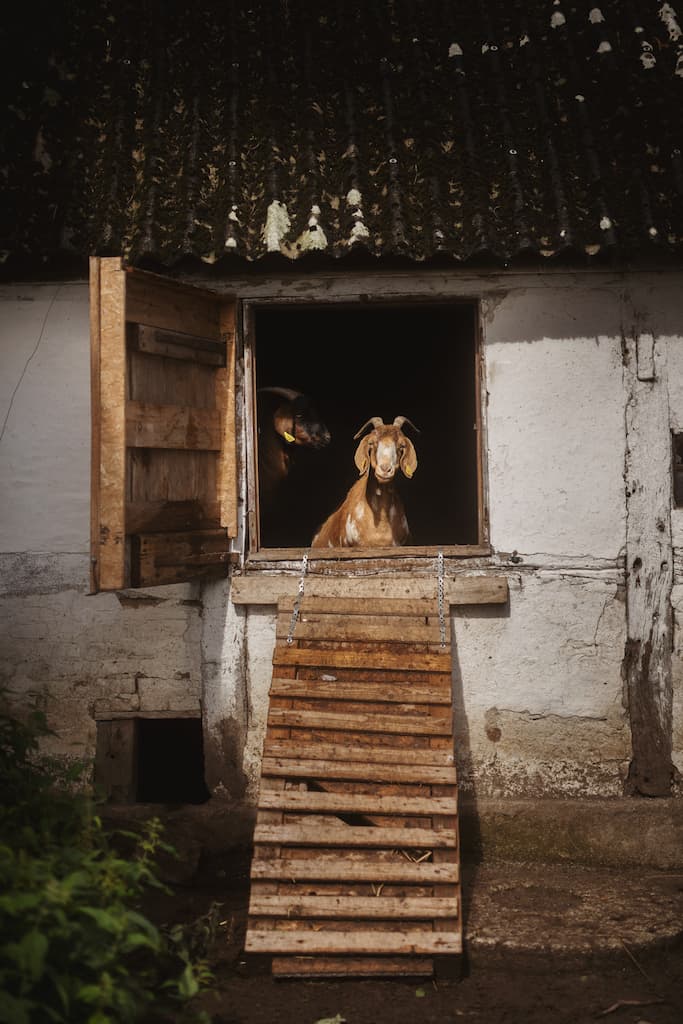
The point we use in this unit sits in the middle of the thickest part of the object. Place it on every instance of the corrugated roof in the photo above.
(414, 128)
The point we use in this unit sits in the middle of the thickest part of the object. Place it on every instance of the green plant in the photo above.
(75, 947)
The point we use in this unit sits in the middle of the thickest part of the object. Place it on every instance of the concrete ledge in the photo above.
(626, 832)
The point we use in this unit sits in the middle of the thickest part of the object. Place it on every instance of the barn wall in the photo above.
(539, 685)
(87, 656)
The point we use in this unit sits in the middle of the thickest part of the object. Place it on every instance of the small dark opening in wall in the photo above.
(678, 469)
(170, 761)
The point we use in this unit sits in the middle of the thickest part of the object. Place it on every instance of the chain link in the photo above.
(297, 603)
(440, 595)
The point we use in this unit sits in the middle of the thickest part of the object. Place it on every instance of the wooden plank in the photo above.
(171, 516)
(343, 627)
(342, 689)
(349, 966)
(225, 401)
(343, 869)
(111, 545)
(173, 345)
(167, 304)
(405, 908)
(172, 426)
(360, 803)
(414, 607)
(356, 942)
(334, 835)
(371, 755)
(349, 658)
(428, 725)
(172, 557)
(459, 589)
(95, 434)
(399, 773)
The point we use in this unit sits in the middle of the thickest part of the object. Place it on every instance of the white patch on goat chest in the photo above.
(352, 531)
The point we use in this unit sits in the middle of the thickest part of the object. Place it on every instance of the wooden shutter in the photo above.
(164, 488)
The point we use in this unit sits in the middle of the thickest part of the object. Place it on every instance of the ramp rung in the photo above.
(313, 940)
(366, 908)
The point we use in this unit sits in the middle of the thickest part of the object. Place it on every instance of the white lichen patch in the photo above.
(670, 19)
(276, 227)
(605, 46)
(605, 223)
(359, 230)
(557, 19)
(595, 16)
(313, 238)
(455, 50)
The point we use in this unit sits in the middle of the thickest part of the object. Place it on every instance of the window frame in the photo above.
(259, 559)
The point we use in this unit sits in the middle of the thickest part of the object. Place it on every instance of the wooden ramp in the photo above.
(355, 870)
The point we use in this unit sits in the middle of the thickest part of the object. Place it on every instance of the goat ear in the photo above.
(409, 459)
(361, 457)
(283, 421)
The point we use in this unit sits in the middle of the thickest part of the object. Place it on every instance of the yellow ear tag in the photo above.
(288, 437)
(408, 472)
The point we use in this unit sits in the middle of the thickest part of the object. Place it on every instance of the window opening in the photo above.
(358, 362)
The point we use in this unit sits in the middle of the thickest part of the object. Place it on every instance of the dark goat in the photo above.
(287, 420)
(372, 514)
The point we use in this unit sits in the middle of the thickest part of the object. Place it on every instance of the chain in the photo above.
(297, 603)
(439, 591)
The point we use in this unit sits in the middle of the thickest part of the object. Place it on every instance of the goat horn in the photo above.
(400, 420)
(284, 392)
(376, 421)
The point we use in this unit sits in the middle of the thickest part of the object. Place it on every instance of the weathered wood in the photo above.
(310, 604)
(169, 305)
(354, 942)
(386, 907)
(225, 401)
(173, 345)
(342, 753)
(349, 966)
(426, 725)
(172, 426)
(164, 440)
(359, 803)
(174, 557)
(351, 658)
(458, 589)
(116, 759)
(646, 666)
(334, 835)
(343, 869)
(171, 516)
(342, 689)
(95, 426)
(310, 769)
(353, 627)
(367, 831)
(371, 553)
(111, 541)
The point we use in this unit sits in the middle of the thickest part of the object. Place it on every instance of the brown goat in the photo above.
(372, 514)
(287, 421)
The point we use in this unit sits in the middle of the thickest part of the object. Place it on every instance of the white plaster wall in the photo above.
(538, 686)
(86, 656)
(556, 421)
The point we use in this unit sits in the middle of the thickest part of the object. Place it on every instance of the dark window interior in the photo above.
(170, 761)
(361, 362)
(678, 469)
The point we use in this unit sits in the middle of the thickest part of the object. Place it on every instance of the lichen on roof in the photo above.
(412, 128)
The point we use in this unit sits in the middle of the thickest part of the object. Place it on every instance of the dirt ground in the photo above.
(489, 987)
